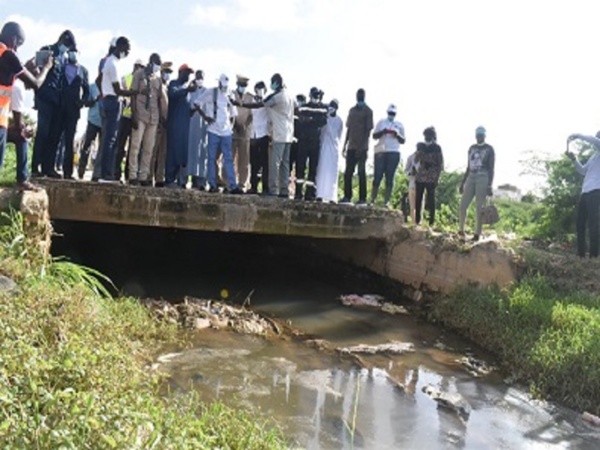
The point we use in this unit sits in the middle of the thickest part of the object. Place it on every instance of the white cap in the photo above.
(138, 62)
(391, 108)
(223, 80)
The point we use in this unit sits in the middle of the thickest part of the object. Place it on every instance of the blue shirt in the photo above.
(94, 115)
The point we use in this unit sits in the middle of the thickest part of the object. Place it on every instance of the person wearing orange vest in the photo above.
(12, 36)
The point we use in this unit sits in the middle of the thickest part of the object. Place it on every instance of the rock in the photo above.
(590, 418)
(475, 366)
(394, 348)
(451, 401)
(361, 300)
(6, 284)
(390, 308)
(201, 323)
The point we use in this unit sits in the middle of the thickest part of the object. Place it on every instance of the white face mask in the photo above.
(199, 82)
(241, 89)
(155, 68)
(166, 76)
(331, 110)
(122, 55)
(261, 92)
(222, 88)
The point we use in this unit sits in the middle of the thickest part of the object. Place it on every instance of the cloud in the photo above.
(257, 15)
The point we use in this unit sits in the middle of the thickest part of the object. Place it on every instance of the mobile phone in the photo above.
(42, 57)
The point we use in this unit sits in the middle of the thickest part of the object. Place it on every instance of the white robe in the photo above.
(327, 170)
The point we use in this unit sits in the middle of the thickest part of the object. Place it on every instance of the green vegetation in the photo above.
(7, 172)
(549, 338)
(72, 367)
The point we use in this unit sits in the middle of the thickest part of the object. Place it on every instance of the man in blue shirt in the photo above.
(94, 127)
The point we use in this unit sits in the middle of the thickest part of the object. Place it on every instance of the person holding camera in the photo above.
(390, 134)
(477, 182)
(589, 200)
(12, 37)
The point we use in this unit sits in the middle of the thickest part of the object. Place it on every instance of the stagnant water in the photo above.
(320, 401)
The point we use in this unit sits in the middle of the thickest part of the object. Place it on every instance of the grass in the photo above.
(549, 338)
(73, 369)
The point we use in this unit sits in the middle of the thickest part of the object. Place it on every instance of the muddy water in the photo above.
(320, 401)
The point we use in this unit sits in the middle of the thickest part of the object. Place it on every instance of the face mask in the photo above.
(241, 89)
(122, 55)
(274, 86)
(391, 117)
(62, 48)
(260, 92)
(331, 111)
(223, 88)
(314, 99)
(199, 82)
(360, 103)
(166, 76)
(155, 68)
(72, 57)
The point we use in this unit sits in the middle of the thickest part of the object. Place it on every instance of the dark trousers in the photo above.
(259, 164)
(123, 140)
(355, 158)
(21, 146)
(587, 217)
(429, 201)
(386, 163)
(46, 138)
(307, 155)
(69, 121)
(110, 128)
(91, 132)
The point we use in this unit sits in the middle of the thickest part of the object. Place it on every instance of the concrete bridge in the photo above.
(373, 238)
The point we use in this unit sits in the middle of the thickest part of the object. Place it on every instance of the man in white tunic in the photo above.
(327, 170)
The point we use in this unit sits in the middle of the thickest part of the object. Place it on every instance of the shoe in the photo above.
(95, 179)
(146, 183)
(159, 184)
(28, 186)
(286, 196)
(201, 188)
(237, 191)
(133, 183)
(251, 192)
(53, 174)
(214, 190)
(345, 201)
(475, 238)
(361, 204)
(108, 181)
(172, 186)
(36, 174)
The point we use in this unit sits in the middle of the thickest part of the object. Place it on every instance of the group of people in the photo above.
(158, 131)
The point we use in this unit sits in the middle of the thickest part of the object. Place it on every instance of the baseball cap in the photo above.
(185, 68)
(223, 80)
(480, 131)
(391, 108)
(138, 62)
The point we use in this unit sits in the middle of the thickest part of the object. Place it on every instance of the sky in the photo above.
(527, 70)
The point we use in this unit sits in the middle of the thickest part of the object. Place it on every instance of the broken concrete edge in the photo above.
(34, 208)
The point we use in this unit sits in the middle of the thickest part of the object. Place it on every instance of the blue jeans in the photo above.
(386, 164)
(21, 149)
(110, 128)
(217, 145)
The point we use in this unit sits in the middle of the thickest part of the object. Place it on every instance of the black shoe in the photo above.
(236, 191)
(53, 174)
(159, 184)
(95, 179)
(36, 174)
(252, 192)
(133, 183)
(214, 190)
(283, 196)
(146, 183)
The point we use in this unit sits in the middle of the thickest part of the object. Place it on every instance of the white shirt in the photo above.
(222, 125)
(389, 141)
(260, 123)
(16, 99)
(591, 169)
(281, 113)
(110, 75)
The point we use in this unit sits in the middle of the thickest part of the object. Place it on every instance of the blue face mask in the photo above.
(391, 117)
(360, 103)
(274, 86)
(62, 48)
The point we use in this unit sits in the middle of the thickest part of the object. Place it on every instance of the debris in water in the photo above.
(591, 418)
(362, 300)
(451, 401)
(393, 347)
(390, 308)
(474, 366)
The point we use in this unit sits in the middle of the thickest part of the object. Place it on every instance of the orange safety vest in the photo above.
(5, 95)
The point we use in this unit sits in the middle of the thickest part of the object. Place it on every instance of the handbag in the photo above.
(489, 213)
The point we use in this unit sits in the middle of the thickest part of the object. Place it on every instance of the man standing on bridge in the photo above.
(356, 147)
